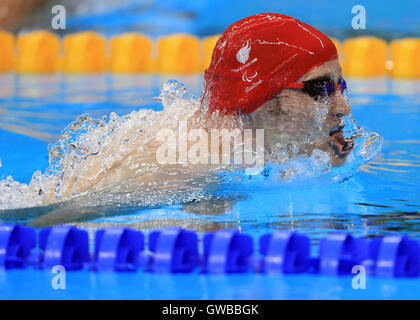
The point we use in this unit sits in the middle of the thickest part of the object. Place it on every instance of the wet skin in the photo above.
(292, 115)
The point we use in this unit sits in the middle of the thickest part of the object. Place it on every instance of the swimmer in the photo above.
(268, 71)
(285, 75)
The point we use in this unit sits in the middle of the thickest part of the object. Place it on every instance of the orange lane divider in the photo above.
(130, 53)
(37, 52)
(365, 57)
(90, 52)
(7, 51)
(84, 52)
(406, 58)
(178, 53)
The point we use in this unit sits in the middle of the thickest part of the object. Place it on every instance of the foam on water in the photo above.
(112, 161)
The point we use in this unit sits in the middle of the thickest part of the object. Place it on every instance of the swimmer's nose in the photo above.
(340, 106)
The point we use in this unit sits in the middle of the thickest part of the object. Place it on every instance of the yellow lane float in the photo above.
(130, 53)
(84, 52)
(365, 57)
(7, 51)
(178, 53)
(406, 58)
(37, 52)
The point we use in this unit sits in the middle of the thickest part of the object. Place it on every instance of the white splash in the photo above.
(107, 162)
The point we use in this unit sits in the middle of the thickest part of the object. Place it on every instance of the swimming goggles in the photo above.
(319, 87)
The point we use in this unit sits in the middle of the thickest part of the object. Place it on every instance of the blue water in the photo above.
(208, 17)
(32, 284)
(381, 199)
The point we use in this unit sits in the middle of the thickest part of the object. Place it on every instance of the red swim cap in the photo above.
(257, 57)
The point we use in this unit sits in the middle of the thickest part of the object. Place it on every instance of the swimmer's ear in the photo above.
(210, 207)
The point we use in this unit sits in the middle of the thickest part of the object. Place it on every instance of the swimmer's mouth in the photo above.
(341, 146)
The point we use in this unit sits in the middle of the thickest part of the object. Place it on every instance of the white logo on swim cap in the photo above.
(247, 78)
(243, 53)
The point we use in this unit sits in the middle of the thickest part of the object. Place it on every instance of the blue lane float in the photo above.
(176, 250)
(118, 249)
(339, 253)
(173, 250)
(16, 244)
(227, 251)
(397, 256)
(67, 246)
(285, 252)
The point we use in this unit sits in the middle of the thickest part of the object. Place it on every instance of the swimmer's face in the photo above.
(295, 116)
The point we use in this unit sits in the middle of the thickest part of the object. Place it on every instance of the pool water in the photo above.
(381, 199)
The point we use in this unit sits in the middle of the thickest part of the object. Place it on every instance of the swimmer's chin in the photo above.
(339, 146)
(339, 153)
(336, 148)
